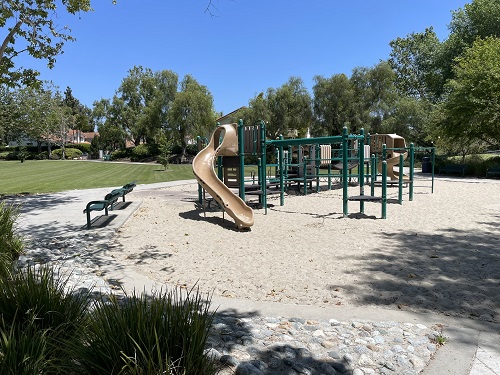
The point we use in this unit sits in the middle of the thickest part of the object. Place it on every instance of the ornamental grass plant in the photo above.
(11, 243)
(39, 319)
(162, 333)
(47, 326)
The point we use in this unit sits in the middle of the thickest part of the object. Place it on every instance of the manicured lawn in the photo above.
(44, 176)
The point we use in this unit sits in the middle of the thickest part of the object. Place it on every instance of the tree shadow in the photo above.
(147, 254)
(232, 335)
(453, 272)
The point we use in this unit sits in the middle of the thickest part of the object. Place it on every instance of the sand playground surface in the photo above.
(439, 252)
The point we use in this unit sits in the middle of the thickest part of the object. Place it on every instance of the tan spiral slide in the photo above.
(203, 169)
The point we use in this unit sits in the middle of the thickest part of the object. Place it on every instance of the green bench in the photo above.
(453, 168)
(105, 204)
(124, 190)
(493, 171)
(108, 201)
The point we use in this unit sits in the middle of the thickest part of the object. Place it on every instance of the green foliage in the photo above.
(164, 160)
(162, 333)
(34, 303)
(82, 115)
(48, 328)
(144, 152)
(44, 155)
(36, 296)
(111, 137)
(191, 112)
(416, 64)
(71, 153)
(286, 110)
(143, 102)
(32, 24)
(192, 149)
(472, 110)
(11, 243)
(478, 19)
(333, 104)
(83, 147)
(410, 118)
(477, 164)
(24, 351)
(122, 154)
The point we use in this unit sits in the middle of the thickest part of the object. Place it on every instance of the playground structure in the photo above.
(220, 167)
(390, 147)
(203, 169)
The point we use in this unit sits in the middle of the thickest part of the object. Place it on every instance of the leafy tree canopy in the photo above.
(472, 109)
(191, 113)
(31, 26)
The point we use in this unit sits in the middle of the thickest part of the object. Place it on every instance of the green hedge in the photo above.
(71, 153)
(476, 165)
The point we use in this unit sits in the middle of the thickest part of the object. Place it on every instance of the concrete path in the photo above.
(473, 348)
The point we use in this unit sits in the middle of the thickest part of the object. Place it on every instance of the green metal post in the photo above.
(412, 171)
(400, 180)
(241, 153)
(433, 155)
(361, 169)
(330, 175)
(263, 167)
(384, 189)
(200, 189)
(317, 164)
(374, 173)
(282, 172)
(345, 191)
(305, 176)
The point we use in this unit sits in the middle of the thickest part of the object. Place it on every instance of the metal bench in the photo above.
(105, 204)
(493, 171)
(453, 168)
(124, 190)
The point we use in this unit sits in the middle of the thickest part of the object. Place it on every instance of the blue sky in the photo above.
(241, 49)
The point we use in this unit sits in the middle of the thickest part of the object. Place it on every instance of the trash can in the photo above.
(426, 165)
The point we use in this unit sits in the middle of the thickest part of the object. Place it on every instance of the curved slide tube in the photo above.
(391, 163)
(203, 169)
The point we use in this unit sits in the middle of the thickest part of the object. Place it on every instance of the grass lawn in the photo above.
(46, 176)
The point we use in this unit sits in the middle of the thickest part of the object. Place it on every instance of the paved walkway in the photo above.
(473, 348)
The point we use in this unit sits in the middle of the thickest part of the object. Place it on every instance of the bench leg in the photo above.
(88, 219)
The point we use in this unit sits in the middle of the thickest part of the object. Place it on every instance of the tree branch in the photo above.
(6, 41)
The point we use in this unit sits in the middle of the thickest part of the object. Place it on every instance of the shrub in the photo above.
(83, 147)
(192, 149)
(11, 243)
(144, 152)
(71, 153)
(176, 149)
(159, 334)
(13, 155)
(121, 154)
(24, 351)
(35, 302)
(44, 155)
